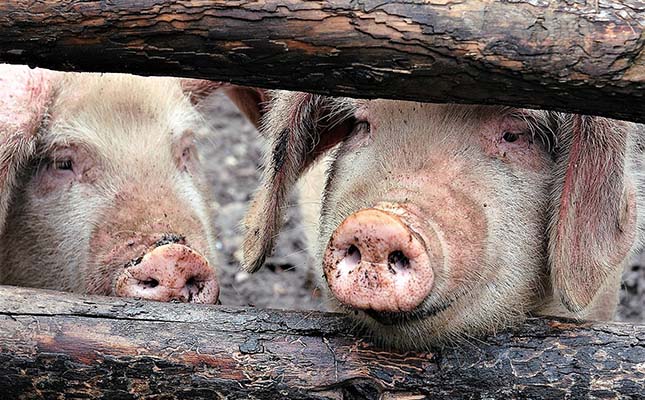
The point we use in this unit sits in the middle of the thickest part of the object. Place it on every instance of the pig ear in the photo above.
(301, 127)
(250, 101)
(199, 89)
(25, 95)
(593, 225)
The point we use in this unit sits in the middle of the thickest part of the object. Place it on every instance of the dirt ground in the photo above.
(232, 156)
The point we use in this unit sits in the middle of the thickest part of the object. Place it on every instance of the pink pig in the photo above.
(438, 222)
(100, 185)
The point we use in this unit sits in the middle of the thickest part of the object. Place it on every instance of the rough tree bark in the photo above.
(122, 348)
(579, 56)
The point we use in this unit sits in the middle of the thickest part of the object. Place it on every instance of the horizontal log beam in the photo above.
(577, 56)
(85, 346)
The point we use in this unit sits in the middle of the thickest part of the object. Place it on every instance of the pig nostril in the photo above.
(150, 283)
(194, 286)
(353, 256)
(191, 283)
(397, 261)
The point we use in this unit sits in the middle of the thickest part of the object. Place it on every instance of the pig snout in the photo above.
(169, 272)
(376, 261)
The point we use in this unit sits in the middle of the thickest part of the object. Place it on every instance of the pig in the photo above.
(101, 190)
(436, 223)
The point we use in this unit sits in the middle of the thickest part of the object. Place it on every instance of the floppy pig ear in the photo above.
(301, 128)
(24, 97)
(249, 100)
(593, 224)
(198, 89)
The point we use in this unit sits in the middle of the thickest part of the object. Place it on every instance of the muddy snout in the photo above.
(170, 272)
(376, 261)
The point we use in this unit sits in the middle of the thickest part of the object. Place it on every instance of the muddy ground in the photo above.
(232, 156)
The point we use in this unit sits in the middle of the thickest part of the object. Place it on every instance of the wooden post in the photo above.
(52, 343)
(577, 56)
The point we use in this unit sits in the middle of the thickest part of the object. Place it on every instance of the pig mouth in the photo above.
(423, 311)
(398, 318)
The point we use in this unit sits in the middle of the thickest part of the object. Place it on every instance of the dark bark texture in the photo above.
(101, 347)
(574, 55)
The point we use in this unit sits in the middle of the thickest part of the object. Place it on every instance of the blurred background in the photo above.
(232, 157)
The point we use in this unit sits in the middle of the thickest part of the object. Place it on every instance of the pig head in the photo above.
(438, 222)
(100, 185)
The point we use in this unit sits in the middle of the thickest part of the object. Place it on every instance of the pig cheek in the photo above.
(50, 181)
(185, 154)
(108, 255)
(89, 176)
(521, 153)
(462, 226)
(459, 220)
(46, 183)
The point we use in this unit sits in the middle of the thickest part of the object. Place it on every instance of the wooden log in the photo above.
(90, 346)
(578, 56)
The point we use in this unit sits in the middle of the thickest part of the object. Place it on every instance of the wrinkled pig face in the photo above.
(440, 222)
(113, 203)
(434, 218)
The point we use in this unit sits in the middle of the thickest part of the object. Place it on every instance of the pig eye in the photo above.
(510, 137)
(362, 127)
(361, 130)
(65, 165)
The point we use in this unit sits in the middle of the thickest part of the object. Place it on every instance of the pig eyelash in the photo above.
(548, 140)
(65, 165)
(341, 110)
(363, 125)
(544, 138)
(541, 126)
